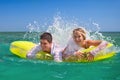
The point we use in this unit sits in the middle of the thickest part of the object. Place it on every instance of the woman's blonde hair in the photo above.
(82, 31)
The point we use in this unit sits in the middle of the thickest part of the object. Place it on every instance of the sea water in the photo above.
(15, 68)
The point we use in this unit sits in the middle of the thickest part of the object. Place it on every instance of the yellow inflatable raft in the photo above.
(21, 48)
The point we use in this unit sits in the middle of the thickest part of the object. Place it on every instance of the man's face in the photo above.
(45, 45)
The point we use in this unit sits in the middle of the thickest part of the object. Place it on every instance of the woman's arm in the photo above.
(93, 42)
(100, 47)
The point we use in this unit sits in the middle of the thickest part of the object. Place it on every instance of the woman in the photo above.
(79, 42)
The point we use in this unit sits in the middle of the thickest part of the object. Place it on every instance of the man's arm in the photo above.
(31, 54)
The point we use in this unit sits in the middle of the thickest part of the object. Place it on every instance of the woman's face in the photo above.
(78, 37)
(45, 45)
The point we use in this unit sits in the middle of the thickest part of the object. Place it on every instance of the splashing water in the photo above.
(61, 30)
(33, 33)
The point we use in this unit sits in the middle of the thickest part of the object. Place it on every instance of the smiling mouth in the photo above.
(78, 41)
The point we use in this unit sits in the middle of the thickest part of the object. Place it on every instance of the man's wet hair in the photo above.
(47, 36)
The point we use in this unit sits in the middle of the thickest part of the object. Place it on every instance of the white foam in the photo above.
(61, 30)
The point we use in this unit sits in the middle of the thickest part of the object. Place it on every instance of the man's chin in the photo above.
(45, 51)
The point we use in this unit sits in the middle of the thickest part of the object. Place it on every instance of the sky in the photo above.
(15, 15)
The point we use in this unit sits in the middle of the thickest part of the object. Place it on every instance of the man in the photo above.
(46, 45)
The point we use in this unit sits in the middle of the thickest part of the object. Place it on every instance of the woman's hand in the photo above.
(79, 55)
(90, 57)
